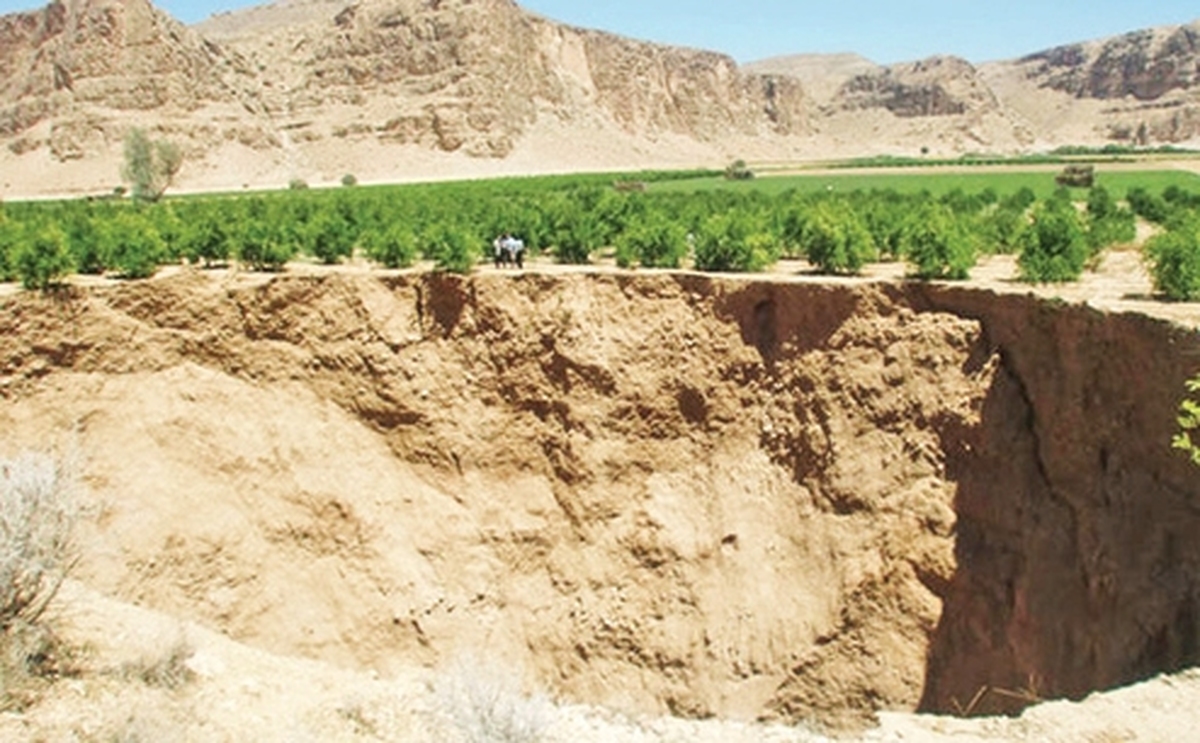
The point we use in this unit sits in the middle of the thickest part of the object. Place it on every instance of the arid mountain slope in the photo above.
(405, 89)
(76, 74)
(1140, 88)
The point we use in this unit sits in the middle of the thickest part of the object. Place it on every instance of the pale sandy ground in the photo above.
(235, 693)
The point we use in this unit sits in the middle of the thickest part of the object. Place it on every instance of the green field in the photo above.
(1041, 182)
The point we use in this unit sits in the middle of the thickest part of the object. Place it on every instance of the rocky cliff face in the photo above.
(416, 88)
(939, 86)
(75, 66)
(1145, 65)
(476, 76)
(1140, 88)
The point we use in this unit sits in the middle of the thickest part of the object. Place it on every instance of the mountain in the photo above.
(407, 89)
(1139, 88)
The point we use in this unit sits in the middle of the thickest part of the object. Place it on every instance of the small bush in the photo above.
(395, 247)
(738, 171)
(38, 511)
(164, 665)
(836, 240)
(654, 243)
(936, 244)
(1053, 246)
(485, 705)
(733, 242)
(349, 180)
(1174, 258)
(43, 258)
(452, 248)
(1189, 422)
(131, 245)
(297, 184)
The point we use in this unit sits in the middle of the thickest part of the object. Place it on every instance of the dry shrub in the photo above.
(38, 510)
(483, 704)
(164, 667)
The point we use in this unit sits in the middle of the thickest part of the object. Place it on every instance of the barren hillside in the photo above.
(397, 89)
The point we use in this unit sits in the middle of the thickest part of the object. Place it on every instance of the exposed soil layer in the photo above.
(658, 492)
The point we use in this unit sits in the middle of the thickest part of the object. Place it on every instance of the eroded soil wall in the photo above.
(657, 492)
(1077, 534)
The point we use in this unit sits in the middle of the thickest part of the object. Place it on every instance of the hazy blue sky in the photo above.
(878, 29)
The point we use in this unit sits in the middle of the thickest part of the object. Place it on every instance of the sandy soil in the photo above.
(315, 502)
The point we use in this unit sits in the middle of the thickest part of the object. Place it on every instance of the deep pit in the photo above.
(748, 499)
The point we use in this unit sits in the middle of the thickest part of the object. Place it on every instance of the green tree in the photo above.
(330, 238)
(733, 241)
(1053, 247)
(130, 245)
(1000, 229)
(394, 247)
(836, 240)
(205, 238)
(42, 259)
(1174, 258)
(653, 242)
(936, 244)
(1148, 206)
(149, 166)
(262, 247)
(9, 237)
(452, 248)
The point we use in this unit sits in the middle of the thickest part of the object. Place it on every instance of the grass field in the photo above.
(1003, 182)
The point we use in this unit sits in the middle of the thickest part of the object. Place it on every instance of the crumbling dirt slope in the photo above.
(659, 493)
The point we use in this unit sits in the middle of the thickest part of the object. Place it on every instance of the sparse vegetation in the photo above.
(483, 704)
(1189, 421)
(165, 666)
(38, 511)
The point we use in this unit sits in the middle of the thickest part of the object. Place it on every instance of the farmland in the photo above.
(939, 221)
(937, 181)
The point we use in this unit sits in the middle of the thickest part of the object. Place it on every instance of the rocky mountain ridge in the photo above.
(395, 89)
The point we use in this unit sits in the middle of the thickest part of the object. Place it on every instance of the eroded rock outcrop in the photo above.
(79, 67)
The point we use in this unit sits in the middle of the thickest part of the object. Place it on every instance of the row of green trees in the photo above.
(453, 225)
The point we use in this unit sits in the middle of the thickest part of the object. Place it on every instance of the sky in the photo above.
(882, 31)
